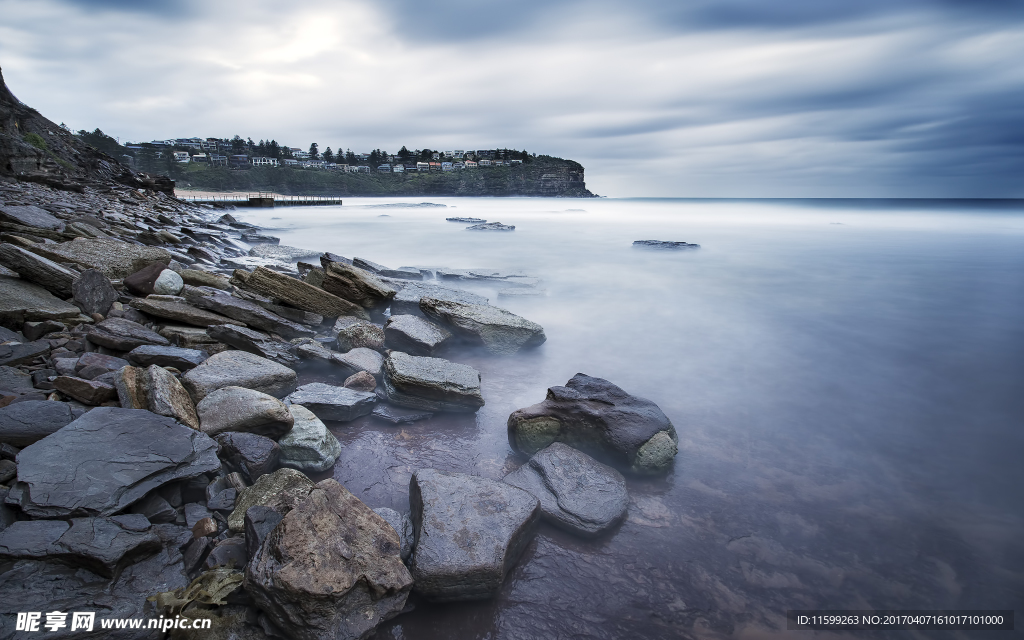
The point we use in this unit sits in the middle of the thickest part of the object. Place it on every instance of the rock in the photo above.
(223, 501)
(155, 508)
(180, 359)
(14, 379)
(402, 524)
(328, 402)
(23, 423)
(235, 408)
(663, 244)
(467, 220)
(281, 490)
(309, 446)
(469, 532)
(259, 522)
(281, 252)
(142, 282)
(492, 226)
(200, 278)
(123, 335)
(204, 527)
(229, 552)
(24, 353)
(576, 492)
(99, 364)
(35, 330)
(252, 314)
(404, 273)
(361, 381)
(6, 335)
(355, 284)
(601, 419)
(130, 383)
(194, 512)
(500, 331)
(330, 569)
(106, 460)
(313, 350)
(239, 369)
(116, 259)
(414, 335)
(407, 300)
(43, 272)
(87, 392)
(190, 338)
(259, 238)
(65, 366)
(180, 312)
(22, 301)
(30, 216)
(8, 470)
(431, 384)
(165, 396)
(101, 545)
(353, 333)
(252, 454)
(297, 293)
(398, 415)
(168, 283)
(255, 342)
(360, 359)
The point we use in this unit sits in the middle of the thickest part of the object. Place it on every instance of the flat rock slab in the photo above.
(356, 285)
(23, 423)
(124, 335)
(46, 273)
(492, 226)
(414, 335)
(328, 402)
(600, 419)
(407, 300)
(24, 353)
(500, 331)
(281, 252)
(164, 356)
(360, 359)
(255, 342)
(22, 301)
(402, 524)
(251, 454)
(431, 384)
(663, 244)
(90, 392)
(297, 293)
(252, 315)
(114, 258)
(239, 369)
(576, 492)
(469, 532)
(399, 415)
(309, 446)
(106, 460)
(281, 490)
(181, 312)
(93, 292)
(241, 409)
(30, 216)
(330, 569)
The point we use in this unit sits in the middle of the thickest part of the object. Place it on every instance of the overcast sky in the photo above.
(696, 98)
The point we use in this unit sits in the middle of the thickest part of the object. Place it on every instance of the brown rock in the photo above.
(296, 293)
(355, 284)
(141, 282)
(361, 381)
(85, 391)
(166, 397)
(205, 527)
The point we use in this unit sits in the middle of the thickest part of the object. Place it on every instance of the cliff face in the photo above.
(34, 149)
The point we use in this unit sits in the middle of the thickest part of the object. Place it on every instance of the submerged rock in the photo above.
(309, 446)
(597, 417)
(407, 300)
(492, 226)
(664, 244)
(500, 331)
(251, 454)
(239, 369)
(431, 384)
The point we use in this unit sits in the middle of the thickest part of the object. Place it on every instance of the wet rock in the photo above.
(402, 524)
(142, 281)
(469, 532)
(259, 238)
(155, 508)
(280, 490)
(576, 492)
(309, 446)
(239, 369)
(46, 273)
(251, 314)
(353, 333)
(414, 335)
(8, 470)
(165, 396)
(103, 546)
(361, 381)
(601, 419)
(180, 359)
(22, 301)
(168, 283)
(467, 220)
(252, 454)
(492, 226)
(30, 216)
(229, 552)
(431, 384)
(398, 415)
(355, 284)
(24, 353)
(23, 423)
(259, 522)
(35, 330)
(328, 402)
(500, 331)
(236, 408)
(330, 569)
(106, 460)
(255, 342)
(404, 273)
(88, 392)
(407, 300)
(297, 293)
(664, 244)
(123, 335)
(180, 312)
(360, 359)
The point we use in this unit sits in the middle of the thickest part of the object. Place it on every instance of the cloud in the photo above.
(725, 98)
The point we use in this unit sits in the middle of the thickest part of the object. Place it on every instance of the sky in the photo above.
(656, 98)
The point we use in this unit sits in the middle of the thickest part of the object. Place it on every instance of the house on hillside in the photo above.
(485, 163)
(361, 169)
(217, 160)
(470, 164)
(515, 162)
(238, 161)
(182, 156)
(398, 168)
(384, 168)
(446, 166)
(200, 157)
(264, 162)
(290, 162)
(458, 166)
(423, 166)
(458, 154)
(435, 166)
(411, 168)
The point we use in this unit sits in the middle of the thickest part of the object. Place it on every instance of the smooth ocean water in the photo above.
(846, 377)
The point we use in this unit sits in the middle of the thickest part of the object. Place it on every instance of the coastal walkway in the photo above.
(264, 199)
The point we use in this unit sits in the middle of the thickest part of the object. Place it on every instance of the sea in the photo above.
(846, 378)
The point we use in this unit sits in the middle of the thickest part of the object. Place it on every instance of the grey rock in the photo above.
(35, 330)
(155, 508)
(236, 408)
(41, 379)
(100, 362)
(239, 369)
(24, 353)
(106, 460)
(407, 300)
(353, 333)
(414, 335)
(601, 419)
(259, 522)
(296, 293)
(313, 350)
(123, 335)
(258, 238)
(254, 342)
(356, 285)
(46, 273)
(165, 396)
(576, 492)
(223, 501)
(664, 244)
(402, 524)
(330, 569)
(405, 273)
(142, 281)
(168, 283)
(251, 454)
(466, 220)
(360, 359)
(164, 356)
(309, 446)
(23, 423)
(398, 415)
(500, 331)
(469, 532)
(281, 490)
(89, 392)
(22, 301)
(65, 366)
(200, 278)
(229, 552)
(251, 314)
(492, 226)
(281, 252)
(431, 384)
(116, 259)
(328, 402)
(6, 335)
(189, 337)
(30, 216)
(361, 381)
(13, 379)
(194, 512)
(8, 470)
(180, 312)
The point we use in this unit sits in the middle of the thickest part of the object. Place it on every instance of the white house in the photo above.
(182, 156)
(485, 163)
(423, 166)
(470, 164)
(398, 168)
(446, 166)
(199, 157)
(459, 165)
(264, 162)
(459, 154)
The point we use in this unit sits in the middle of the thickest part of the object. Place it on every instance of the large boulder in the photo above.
(354, 333)
(239, 369)
(355, 284)
(500, 331)
(116, 259)
(255, 342)
(180, 312)
(30, 216)
(23, 423)
(246, 410)
(296, 293)
(328, 402)
(431, 384)
(576, 492)
(165, 396)
(309, 446)
(331, 568)
(53, 277)
(123, 335)
(106, 460)
(251, 454)
(141, 282)
(282, 490)
(414, 335)
(93, 292)
(22, 301)
(599, 418)
(407, 300)
(251, 314)
(469, 532)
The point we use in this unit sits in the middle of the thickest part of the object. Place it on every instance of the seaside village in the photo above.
(217, 152)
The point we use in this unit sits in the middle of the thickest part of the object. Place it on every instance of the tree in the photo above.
(274, 149)
(374, 158)
(237, 145)
(314, 151)
(250, 146)
(286, 152)
(404, 154)
(261, 149)
(350, 157)
(426, 155)
(328, 155)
